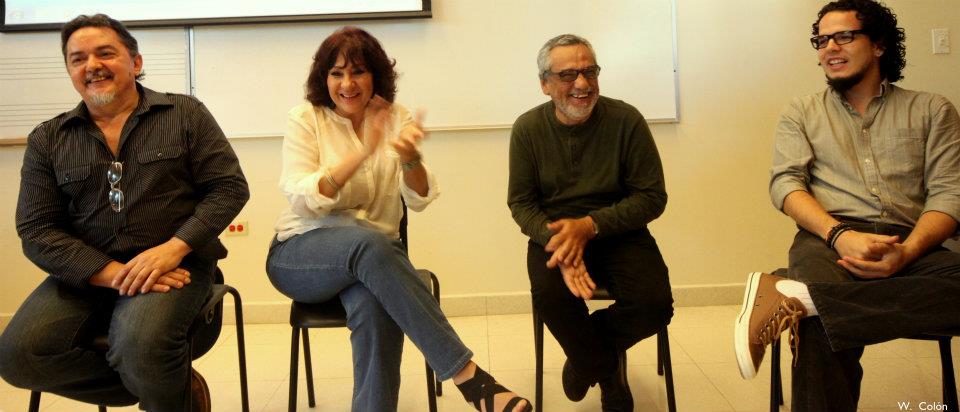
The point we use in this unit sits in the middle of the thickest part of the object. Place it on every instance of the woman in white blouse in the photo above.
(349, 155)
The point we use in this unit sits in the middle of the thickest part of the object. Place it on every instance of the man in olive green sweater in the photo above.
(585, 180)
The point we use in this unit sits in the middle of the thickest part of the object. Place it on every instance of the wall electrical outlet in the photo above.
(941, 41)
(238, 228)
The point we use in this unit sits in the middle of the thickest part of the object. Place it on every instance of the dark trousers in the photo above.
(923, 297)
(631, 268)
(46, 346)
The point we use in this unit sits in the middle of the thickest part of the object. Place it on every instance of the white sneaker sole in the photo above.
(741, 334)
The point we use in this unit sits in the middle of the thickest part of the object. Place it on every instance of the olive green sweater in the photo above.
(608, 168)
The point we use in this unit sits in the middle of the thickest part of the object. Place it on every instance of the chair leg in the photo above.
(294, 364)
(34, 401)
(431, 390)
(311, 399)
(241, 349)
(776, 387)
(102, 408)
(664, 362)
(436, 295)
(660, 352)
(949, 382)
(538, 348)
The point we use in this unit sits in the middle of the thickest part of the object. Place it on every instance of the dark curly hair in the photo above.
(879, 23)
(359, 48)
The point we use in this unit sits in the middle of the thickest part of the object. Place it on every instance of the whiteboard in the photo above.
(472, 66)
(35, 86)
(34, 15)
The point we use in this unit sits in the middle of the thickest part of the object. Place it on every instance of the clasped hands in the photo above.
(406, 144)
(153, 270)
(872, 256)
(569, 238)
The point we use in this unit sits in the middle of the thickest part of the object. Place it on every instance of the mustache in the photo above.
(104, 73)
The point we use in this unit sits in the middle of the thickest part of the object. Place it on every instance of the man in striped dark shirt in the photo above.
(121, 201)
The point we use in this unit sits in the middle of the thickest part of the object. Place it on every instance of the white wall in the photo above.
(738, 67)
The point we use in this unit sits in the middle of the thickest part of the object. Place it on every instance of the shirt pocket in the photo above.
(160, 168)
(75, 180)
(901, 157)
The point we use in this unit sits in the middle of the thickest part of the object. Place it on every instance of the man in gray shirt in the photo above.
(870, 172)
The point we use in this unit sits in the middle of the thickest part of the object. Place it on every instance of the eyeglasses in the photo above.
(589, 72)
(840, 37)
(114, 174)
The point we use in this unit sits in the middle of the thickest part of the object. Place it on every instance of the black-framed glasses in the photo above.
(569, 75)
(114, 174)
(840, 37)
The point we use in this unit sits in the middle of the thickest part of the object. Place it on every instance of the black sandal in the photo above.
(482, 387)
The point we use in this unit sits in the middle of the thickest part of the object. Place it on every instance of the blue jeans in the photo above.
(383, 298)
(46, 345)
(921, 298)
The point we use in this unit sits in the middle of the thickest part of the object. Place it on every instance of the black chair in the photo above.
(331, 314)
(203, 333)
(664, 366)
(946, 367)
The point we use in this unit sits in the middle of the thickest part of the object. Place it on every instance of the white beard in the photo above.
(102, 99)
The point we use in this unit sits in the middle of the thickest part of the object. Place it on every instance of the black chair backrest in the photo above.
(206, 327)
(403, 226)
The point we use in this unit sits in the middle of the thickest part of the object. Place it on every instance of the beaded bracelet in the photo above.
(835, 232)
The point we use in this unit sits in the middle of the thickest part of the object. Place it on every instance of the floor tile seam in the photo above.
(715, 387)
(280, 385)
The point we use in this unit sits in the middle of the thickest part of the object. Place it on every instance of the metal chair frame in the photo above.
(210, 312)
(664, 365)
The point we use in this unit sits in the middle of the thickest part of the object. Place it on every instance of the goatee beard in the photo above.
(842, 84)
(102, 99)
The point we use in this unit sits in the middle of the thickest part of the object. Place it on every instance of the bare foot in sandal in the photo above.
(481, 390)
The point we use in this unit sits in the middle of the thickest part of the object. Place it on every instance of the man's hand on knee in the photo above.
(142, 272)
(578, 280)
(570, 237)
(175, 279)
(864, 246)
(895, 258)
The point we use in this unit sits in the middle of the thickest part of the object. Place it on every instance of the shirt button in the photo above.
(874, 190)
(867, 161)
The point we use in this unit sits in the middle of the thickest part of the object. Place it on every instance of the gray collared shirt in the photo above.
(894, 163)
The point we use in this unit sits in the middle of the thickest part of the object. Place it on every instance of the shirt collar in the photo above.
(148, 100)
(886, 88)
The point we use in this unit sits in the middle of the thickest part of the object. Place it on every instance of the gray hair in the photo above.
(543, 57)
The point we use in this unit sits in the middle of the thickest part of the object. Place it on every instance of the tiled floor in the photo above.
(705, 371)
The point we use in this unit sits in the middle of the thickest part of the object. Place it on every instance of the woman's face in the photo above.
(350, 87)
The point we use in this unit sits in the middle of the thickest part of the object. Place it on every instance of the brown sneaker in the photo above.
(764, 315)
(199, 393)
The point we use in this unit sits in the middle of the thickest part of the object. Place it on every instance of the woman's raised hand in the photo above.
(379, 111)
(407, 144)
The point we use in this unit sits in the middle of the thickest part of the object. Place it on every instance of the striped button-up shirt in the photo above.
(897, 161)
(180, 178)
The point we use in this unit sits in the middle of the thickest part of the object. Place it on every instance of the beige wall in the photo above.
(738, 67)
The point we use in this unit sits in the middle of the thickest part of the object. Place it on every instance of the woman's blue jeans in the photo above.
(383, 297)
